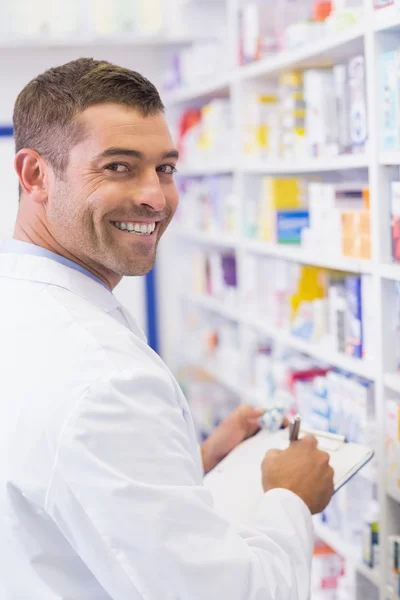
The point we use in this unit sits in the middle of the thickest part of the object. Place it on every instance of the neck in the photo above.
(44, 240)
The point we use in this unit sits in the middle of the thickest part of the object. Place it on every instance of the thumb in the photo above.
(254, 413)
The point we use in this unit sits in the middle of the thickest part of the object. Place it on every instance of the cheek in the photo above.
(171, 197)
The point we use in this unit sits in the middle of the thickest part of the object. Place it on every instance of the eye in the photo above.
(117, 168)
(167, 169)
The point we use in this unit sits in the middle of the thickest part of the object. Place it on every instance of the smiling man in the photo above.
(101, 493)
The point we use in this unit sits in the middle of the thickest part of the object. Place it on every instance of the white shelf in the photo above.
(76, 41)
(311, 165)
(226, 382)
(389, 159)
(204, 90)
(297, 254)
(390, 272)
(213, 305)
(288, 252)
(203, 170)
(371, 574)
(348, 552)
(387, 18)
(323, 52)
(356, 366)
(221, 240)
(392, 382)
(362, 368)
(317, 53)
(390, 593)
(393, 493)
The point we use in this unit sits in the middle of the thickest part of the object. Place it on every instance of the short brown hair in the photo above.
(45, 110)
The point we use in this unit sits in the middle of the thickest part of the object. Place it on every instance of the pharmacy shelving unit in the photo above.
(378, 32)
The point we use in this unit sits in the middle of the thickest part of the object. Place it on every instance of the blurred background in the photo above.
(278, 282)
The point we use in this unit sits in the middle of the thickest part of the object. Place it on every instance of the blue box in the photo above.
(289, 225)
(354, 337)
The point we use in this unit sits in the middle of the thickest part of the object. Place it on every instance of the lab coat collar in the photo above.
(44, 270)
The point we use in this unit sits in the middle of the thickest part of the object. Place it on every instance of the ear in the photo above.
(32, 171)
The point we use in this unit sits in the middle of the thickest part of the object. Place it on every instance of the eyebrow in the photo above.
(115, 151)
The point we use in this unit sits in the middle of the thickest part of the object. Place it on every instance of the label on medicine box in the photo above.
(289, 225)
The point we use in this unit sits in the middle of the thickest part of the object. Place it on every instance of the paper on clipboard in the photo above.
(236, 482)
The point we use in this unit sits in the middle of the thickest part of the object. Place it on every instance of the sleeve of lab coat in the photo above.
(126, 492)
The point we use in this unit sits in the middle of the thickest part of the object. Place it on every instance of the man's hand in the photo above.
(240, 425)
(302, 469)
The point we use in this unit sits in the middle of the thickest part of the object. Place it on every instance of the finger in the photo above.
(309, 440)
(274, 453)
(324, 457)
(254, 421)
(251, 412)
(285, 423)
(241, 413)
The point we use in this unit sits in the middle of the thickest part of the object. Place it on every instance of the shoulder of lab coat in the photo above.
(118, 461)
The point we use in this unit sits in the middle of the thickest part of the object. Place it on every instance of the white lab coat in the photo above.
(101, 491)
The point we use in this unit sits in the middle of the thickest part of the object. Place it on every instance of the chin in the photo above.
(137, 270)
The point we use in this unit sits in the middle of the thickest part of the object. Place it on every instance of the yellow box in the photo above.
(277, 194)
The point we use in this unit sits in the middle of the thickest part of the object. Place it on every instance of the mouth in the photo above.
(135, 228)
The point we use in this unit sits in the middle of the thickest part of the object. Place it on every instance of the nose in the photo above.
(150, 193)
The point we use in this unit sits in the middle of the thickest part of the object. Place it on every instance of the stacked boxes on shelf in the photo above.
(214, 273)
(394, 564)
(392, 444)
(204, 135)
(314, 113)
(265, 28)
(209, 345)
(292, 113)
(328, 218)
(329, 400)
(395, 219)
(199, 61)
(209, 402)
(328, 571)
(318, 305)
(390, 100)
(339, 220)
(261, 130)
(208, 205)
(277, 213)
(371, 538)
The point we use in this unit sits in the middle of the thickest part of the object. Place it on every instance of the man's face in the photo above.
(117, 196)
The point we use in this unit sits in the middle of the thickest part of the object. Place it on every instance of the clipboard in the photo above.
(235, 483)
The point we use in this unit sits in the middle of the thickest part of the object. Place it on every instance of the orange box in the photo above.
(364, 223)
(366, 198)
(349, 246)
(356, 234)
(349, 223)
(365, 251)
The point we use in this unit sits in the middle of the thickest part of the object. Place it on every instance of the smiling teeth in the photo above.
(136, 228)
